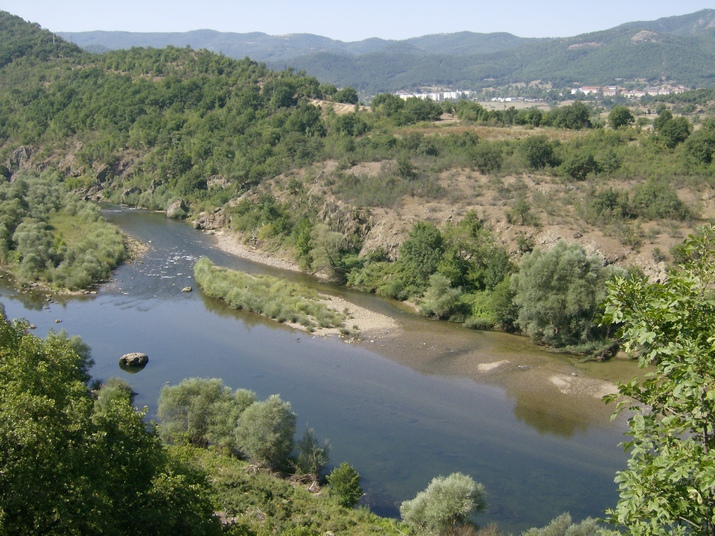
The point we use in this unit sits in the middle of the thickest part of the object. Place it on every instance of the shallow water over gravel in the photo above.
(401, 407)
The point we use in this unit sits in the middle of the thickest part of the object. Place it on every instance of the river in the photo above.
(402, 409)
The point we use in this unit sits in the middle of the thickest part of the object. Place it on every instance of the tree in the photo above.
(573, 116)
(538, 151)
(200, 411)
(669, 485)
(347, 95)
(580, 165)
(345, 481)
(620, 116)
(387, 104)
(558, 292)
(265, 432)
(112, 390)
(445, 504)
(675, 131)
(440, 298)
(420, 254)
(312, 457)
(664, 115)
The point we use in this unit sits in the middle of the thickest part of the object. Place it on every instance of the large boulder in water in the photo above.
(134, 359)
(178, 210)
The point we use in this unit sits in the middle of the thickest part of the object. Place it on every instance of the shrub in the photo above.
(420, 254)
(441, 299)
(487, 157)
(445, 504)
(657, 199)
(563, 526)
(580, 165)
(345, 482)
(538, 151)
(620, 116)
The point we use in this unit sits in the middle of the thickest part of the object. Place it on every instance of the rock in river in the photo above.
(134, 359)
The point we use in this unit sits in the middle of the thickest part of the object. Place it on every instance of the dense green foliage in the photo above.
(201, 412)
(260, 504)
(453, 272)
(50, 235)
(558, 293)
(564, 526)
(265, 432)
(345, 482)
(669, 486)
(204, 412)
(73, 465)
(445, 504)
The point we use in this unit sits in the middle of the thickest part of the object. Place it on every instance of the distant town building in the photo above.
(437, 96)
(614, 91)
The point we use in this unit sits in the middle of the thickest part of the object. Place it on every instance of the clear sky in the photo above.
(349, 21)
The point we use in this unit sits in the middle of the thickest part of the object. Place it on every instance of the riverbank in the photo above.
(231, 243)
(362, 322)
(453, 353)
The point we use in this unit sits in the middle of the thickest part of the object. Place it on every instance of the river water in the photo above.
(400, 409)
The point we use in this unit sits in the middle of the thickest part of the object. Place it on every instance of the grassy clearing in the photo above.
(270, 296)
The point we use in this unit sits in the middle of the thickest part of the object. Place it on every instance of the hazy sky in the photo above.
(348, 21)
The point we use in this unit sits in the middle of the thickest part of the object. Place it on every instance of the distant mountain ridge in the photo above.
(263, 47)
(679, 49)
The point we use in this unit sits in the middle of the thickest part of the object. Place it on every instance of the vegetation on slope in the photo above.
(51, 236)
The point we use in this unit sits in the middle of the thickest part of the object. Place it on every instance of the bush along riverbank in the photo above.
(52, 238)
(269, 296)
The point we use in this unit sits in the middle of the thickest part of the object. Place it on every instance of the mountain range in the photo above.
(674, 49)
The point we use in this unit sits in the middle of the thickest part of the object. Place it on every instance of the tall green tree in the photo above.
(420, 254)
(201, 411)
(265, 432)
(558, 292)
(620, 116)
(669, 485)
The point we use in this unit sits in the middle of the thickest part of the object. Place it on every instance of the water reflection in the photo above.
(534, 410)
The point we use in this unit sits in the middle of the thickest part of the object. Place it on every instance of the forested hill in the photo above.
(679, 49)
(164, 120)
(29, 41)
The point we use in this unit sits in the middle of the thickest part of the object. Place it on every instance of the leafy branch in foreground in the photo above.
(275, 298)
(669, 486)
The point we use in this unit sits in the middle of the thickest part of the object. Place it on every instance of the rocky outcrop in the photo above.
(210, 221)
(178, 210)
(19, 158)
(134, 359)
